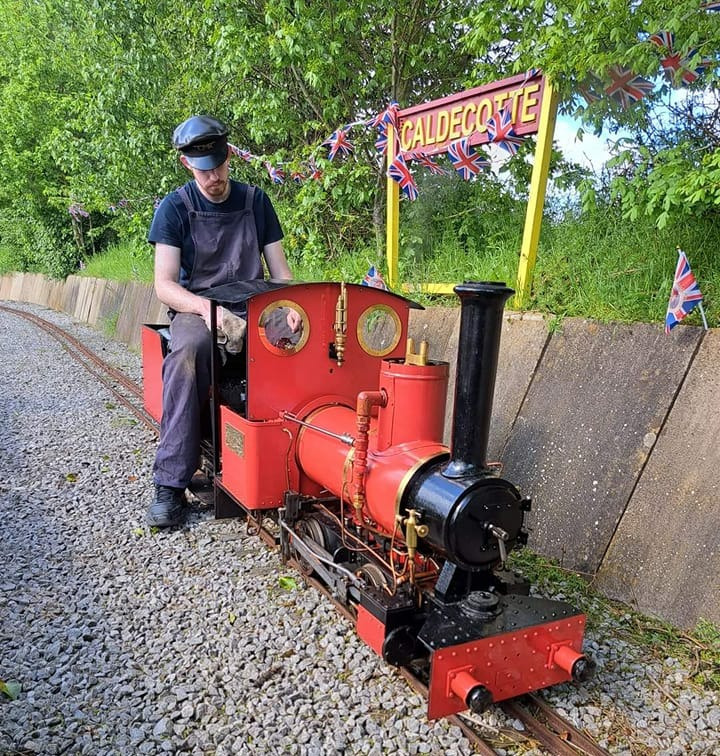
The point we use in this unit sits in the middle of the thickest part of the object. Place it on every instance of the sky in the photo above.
(592, 152)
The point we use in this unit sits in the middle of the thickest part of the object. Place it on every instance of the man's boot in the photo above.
(167, 508)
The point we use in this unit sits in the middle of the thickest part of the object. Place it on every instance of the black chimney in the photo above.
(482, 305)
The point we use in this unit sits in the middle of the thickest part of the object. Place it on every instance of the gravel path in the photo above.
(196, 640)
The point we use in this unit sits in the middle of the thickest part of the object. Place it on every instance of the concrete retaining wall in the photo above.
(610, 428)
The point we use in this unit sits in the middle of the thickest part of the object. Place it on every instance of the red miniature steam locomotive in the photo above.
(335, 431)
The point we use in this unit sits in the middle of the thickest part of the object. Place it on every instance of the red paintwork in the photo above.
(370, 630)
(252, 460)
(325, 460)
(415, 408)
(152, 359)
(508, 665)
(284, 382)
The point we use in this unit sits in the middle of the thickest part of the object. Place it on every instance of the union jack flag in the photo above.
(627, 87)
(500, 130)
(381, 142)
(430, 164)
(384, 117)
(685, 294)
(398, 171)
(244, 154)
(711, 6)
(673, 63)
(591, 89)
(298, 177)
(315, 172)
(373, 279)
(338, 142)
(465, 160)
(277, 175)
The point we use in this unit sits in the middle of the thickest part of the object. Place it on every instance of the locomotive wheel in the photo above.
(309, 529)
(373, 575)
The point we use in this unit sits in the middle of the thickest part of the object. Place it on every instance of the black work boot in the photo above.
(167, 507)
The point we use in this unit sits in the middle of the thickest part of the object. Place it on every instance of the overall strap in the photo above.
(249, 197)
(185, 197)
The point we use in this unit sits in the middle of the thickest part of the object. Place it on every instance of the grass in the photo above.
(698, 649)
(129, 261)
(596, 266)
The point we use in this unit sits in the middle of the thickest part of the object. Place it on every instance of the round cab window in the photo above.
(284, 327)
(378, 330)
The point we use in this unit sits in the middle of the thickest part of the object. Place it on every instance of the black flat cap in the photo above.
(203, 141)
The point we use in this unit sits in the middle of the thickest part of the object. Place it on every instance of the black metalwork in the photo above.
(482, 306)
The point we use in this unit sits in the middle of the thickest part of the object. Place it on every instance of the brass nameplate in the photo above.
(235, 440)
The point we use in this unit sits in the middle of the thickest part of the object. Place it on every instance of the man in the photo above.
(209, 232)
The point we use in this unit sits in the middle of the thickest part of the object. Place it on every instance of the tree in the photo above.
(671, 165)
(90, 91)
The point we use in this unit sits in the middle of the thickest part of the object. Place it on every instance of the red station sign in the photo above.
(428, 129)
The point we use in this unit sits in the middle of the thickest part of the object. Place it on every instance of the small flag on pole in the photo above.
(685, 294)
(373, 279)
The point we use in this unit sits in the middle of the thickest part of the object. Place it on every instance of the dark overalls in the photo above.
(226, 251)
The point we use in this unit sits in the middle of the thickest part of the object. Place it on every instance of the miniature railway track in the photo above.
(543, 725)
(131, 396)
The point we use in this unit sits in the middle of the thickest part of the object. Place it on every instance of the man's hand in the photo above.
(231, 332)
(294, 320)
(205, 315)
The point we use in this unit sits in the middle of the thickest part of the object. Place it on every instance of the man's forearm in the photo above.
(178, 298)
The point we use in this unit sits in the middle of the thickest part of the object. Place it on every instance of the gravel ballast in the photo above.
(197, 640)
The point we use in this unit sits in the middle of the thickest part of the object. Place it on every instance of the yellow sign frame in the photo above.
(545, 128)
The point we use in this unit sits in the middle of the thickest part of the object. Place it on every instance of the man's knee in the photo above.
(190, 337)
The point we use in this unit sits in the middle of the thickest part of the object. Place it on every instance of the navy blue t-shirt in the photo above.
(171, 224)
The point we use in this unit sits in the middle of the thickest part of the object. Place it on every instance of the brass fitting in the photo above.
(340, 325)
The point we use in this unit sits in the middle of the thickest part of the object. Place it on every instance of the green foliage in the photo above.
(37, 242)
(460, 230)
(10, 688)
(669, 167)
(90, 91)
(125, 261)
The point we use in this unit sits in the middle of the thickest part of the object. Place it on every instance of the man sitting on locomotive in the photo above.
(211, 231)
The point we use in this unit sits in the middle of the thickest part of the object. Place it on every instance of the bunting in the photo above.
(398, 171)
(674, 65)
(338, 142)
(387, 116)
(246, 155)
(624, 86)
(627, 87)
(465, 160)
(500, 130)
(427, 162)
(77, 211)
(381, 142)
(277, 175)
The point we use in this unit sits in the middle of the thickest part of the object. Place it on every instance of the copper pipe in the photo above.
(366, 400)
